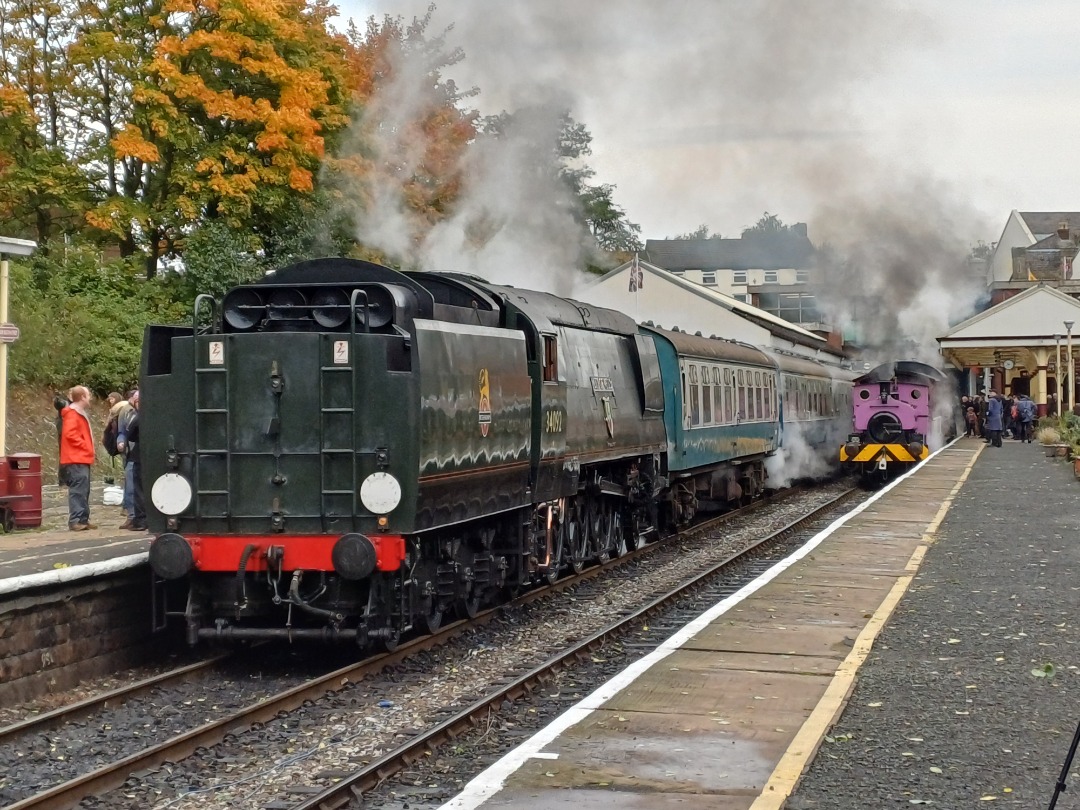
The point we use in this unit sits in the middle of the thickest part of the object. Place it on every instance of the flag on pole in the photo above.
(637, 276)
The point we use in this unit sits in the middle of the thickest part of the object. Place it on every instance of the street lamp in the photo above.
(1072, 385)
(8, 247)
(1057, 371)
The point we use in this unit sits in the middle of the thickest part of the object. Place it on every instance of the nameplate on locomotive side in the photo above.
(603, 385)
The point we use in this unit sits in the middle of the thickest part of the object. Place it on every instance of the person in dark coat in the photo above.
(128, 442)
(1028, 412)
(994, 419)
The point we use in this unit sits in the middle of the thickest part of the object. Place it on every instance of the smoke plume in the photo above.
(701, 111)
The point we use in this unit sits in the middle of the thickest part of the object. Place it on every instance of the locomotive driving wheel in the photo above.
(558, 546)
(391, 640)
(431, 616)
(469, 605)
(616, 534)
(576, 539)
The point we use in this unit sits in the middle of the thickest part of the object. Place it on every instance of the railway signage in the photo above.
(9, 333)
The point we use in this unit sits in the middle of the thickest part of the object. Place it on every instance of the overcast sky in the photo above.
(713, 111)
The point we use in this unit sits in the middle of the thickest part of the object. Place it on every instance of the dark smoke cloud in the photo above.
(714, 111)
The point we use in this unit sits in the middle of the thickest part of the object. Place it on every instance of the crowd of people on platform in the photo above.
(993, 417)
(120, 438)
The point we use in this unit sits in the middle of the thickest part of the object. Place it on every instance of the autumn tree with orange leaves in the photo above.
(411, 128)
(231, 120)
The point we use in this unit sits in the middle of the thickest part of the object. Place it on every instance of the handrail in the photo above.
(352, 312)
(199, 299)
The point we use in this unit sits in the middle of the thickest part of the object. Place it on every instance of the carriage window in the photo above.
(729, 397)
(717, 397)
(551, 359)
(685, 400)
(695, 404)
(759, 400)
(742, 396)
(706, 400)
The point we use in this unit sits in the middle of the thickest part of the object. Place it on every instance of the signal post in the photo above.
(9, 332)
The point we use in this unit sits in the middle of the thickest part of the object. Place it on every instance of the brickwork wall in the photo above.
(61, 636)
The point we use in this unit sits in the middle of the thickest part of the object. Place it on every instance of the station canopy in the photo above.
(1020, 329)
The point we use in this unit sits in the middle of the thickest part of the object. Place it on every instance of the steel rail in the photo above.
(353, 787)
(110, 777)
(95, 703)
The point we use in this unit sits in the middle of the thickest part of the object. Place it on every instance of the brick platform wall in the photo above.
(61, 636)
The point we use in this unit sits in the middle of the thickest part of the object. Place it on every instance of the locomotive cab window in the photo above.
(551, 359)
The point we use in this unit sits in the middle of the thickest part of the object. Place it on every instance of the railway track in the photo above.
(364, 780)
(114, 775)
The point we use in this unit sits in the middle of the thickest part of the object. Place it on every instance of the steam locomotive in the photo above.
(893, 419)
(346, 452)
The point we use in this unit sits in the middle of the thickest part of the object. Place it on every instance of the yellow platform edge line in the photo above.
(800, 753)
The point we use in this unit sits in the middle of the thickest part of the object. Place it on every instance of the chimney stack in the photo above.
(1063, 231)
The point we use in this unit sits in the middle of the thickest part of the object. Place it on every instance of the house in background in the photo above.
(648, 293)
(774, 272)
(1034, 248)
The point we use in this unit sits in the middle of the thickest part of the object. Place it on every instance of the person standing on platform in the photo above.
(128, 441)
(118, 416)
(77, 457)
(994, 419)
(1027, 418)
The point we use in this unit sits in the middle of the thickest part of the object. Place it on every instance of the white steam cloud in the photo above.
(714, 105)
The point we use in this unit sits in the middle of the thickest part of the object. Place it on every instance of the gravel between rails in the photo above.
(430, 782)
(332, 736)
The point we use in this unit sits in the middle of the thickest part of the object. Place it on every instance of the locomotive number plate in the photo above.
(341, 352)
(217, 353)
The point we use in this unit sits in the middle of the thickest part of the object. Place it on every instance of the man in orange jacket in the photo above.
(77, 456)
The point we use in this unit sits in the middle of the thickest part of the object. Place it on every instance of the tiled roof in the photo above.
(783, 250)
(1044, 223)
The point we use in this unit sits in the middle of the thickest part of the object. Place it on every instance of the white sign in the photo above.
(341, 352)
(217, 353)
(9, 333)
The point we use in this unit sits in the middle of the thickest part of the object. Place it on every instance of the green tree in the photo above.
(82, 320)
(412, 126)
(700, 232)
(230, 119)
(558, 154)
(768, 225)
(42, 184)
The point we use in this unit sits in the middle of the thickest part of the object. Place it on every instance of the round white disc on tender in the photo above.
(380, 493)
(171, 494)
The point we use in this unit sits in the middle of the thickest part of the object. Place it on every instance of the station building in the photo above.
(1023, 343)
(760, 291)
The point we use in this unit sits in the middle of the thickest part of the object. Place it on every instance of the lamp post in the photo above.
(8, 247)
(1057, 371)
(1069, 361)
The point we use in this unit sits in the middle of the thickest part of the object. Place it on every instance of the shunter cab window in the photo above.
(551, 359)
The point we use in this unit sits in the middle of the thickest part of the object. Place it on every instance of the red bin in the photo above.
(24, 478)
(3, 476)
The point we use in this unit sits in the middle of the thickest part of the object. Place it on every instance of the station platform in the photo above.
(728, 713)
(31, 557)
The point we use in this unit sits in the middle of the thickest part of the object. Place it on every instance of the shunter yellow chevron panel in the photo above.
(892, 452)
